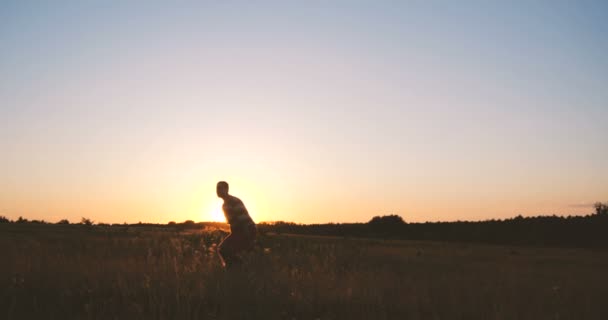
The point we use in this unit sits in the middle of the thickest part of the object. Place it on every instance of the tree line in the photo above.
(571, 231)
(574, 231)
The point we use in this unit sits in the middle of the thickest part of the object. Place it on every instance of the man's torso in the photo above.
(235, 212)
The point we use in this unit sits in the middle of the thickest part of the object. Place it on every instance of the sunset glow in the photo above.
(334, 112)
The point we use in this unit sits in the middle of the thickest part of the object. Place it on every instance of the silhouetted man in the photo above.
(242, 228)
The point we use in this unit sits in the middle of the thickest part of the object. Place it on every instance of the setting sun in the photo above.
(215, 214)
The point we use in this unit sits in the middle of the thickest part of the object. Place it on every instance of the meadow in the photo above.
(127, 272)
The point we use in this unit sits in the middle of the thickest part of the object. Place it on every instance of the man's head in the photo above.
(222, 189)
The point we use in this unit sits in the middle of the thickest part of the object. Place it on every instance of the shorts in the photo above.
(240, 239)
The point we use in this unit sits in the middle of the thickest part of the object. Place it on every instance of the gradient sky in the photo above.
(313, 111)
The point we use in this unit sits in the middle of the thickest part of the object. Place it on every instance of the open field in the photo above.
(79, 272)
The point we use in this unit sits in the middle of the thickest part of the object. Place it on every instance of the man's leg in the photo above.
(236, 243)
(226, 250)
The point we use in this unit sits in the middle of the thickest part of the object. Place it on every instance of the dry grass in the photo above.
(71, 272)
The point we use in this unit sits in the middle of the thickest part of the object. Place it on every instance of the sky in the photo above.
(313, 111)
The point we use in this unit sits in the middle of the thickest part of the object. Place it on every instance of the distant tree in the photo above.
(188, 224)
(3, 219)
(63, 221)
(21, 220)
(171, 223)
(392, 219)
(86, 221)
(601, 208)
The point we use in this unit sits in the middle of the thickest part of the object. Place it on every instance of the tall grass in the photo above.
(71, 272)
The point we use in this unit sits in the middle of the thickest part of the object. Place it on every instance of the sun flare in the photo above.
(216, 214)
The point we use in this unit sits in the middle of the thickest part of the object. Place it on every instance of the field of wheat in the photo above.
(80, 272)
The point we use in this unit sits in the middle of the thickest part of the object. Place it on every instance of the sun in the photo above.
(216, 214)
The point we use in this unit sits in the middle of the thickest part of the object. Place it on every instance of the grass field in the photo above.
(76, 272)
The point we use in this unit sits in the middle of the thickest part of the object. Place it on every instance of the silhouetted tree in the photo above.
(392, 219)
(21, 220)
(86, 221)
(389, 226)
(601, 208)
(63, 221)
(3, 219)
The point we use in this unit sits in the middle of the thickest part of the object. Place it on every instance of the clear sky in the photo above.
(313, 111)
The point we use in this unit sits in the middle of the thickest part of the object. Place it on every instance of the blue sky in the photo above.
(316, 111)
